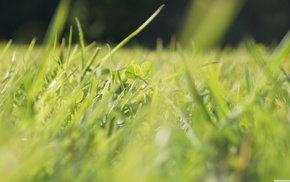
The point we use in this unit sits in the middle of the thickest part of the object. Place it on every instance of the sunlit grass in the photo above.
(208, 21)
(143, 115)
(107, 123)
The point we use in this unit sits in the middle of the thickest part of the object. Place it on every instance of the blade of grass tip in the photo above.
(73, 55)
(88, 47)
(30, 48)
(55, 42)
(69, 44)
(276, 61)
(57, 25)
(110, 56)
(61, 52)
(111, 65)
(58, 22)
(264, 72)
(120, 80)
(217, 92)
(86, 68)
(154, 107)
(194, 93)
(248, 80)
(133, 34)
(5, 49)
(81, 40)
(280, 53)
(256, 53)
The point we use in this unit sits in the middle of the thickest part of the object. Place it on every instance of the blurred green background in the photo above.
(266, 21)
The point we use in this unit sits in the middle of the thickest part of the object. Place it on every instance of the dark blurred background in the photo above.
(266, 21)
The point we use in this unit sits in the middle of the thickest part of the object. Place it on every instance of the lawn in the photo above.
(89, 112)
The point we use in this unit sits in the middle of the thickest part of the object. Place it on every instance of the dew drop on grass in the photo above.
(52, 84)
(7, 74)
(13, 56)
(120, 122)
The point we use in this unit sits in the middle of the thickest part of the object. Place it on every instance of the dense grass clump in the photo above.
(88, 113)
(164, 115)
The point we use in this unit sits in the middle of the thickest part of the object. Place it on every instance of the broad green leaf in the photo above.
(147, 70)
(133, 71)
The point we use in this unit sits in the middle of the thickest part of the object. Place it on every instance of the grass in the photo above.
(80, 113)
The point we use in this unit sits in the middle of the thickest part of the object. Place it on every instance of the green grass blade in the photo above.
(154, 106)
(69, 45)
(195, 94)
(57, 24)
(86, 68)
(280, 53)
(217, 92)
(30, 48)
(248, 79)
(81, 40)
(133, 34)
(5, 49)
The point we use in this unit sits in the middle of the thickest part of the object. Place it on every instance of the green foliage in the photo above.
(220, 116)
(134, 71)
(208, 21)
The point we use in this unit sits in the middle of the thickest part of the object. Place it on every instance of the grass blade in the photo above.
(81, 40)
(5, 49)
(133, 34)
(195, 95)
